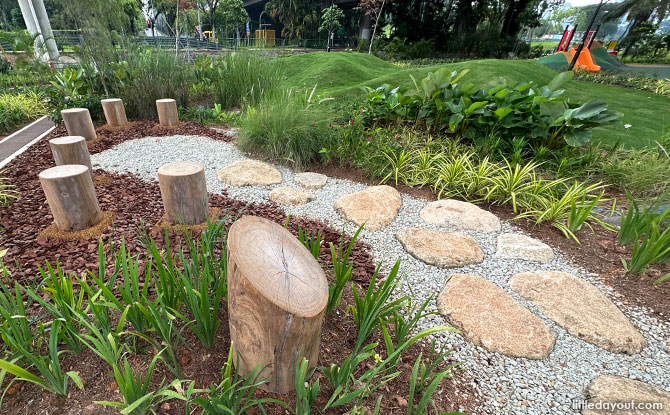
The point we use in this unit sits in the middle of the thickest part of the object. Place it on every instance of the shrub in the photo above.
(18, 109)
(287, 128)
(238, 79)
(150, 75)
(642, 173)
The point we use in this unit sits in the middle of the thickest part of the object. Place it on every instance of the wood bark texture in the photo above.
(167, 112)
(277, 296)
(78, 122)
(184, 192)
(115, 114)
(71, 150)
(71, 196)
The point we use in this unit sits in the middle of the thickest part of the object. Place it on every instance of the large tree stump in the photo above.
(115, 114)
(167, 112)
(71, 150)
(71, 196)
(78, 122)
(277, 296)
(184, 192)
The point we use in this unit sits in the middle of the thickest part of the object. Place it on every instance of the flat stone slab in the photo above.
(376, 206)
(460, 215)
(441, 248)
(580, 308)
(310, 180)
(517, 246)
(609, 390)
(290, 196)
(249, 173)
(489, 317)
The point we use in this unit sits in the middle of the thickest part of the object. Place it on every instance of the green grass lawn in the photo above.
(342, 75)
(546, 45)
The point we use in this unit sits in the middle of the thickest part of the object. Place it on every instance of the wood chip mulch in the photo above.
(134, 201)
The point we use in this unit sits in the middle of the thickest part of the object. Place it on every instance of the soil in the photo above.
(138, 208)
(599, 251)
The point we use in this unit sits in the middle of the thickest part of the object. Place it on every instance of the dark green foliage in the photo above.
(342, 270)
(542, 115)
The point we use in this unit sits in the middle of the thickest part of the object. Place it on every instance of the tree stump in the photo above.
(71, 196)
(71, 150)
(115, 114)
(184, 192)
(277, 296)
(167, 112)
(78, 122)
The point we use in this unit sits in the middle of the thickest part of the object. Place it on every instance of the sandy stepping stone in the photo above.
(376, 206)
(441, 248)
(249, 173)
(310, 180)
(289, 196)
(619, 391)
(580, 308)
(488, 317)
(460, 215)
(517, 246)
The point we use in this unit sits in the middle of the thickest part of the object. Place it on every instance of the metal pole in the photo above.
(566, 46)
(560, 44)
(588, 29)
(593, 37)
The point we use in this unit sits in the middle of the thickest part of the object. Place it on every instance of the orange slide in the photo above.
(585, 60)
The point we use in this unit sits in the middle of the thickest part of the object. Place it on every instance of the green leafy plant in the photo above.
(311, 242)
(342, 270)
(404, 324)
(134, 388)
(655, 247)
(305, 395)
(235, 395)
(48, 366)
(7, 192)
(17, 109)
(372, 310)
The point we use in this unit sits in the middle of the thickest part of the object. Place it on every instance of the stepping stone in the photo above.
(460, 215)
(289, 196)
(580, 308)
(376, 206)
(309, 180)
(249, 173)
(441, 248)
(615, 389)
(488, 317)
(517, 246)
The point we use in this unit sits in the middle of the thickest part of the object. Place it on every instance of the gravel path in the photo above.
(507, 385)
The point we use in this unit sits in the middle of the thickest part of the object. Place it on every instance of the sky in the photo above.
(580, 3)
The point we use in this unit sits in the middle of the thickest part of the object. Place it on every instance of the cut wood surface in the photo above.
(78, 122)
(115, 114)
(184, 192)
(71, 150)
(277, 296)
(167, 112)
(71, 196)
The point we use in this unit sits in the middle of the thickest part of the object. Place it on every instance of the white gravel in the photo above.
(507, 385)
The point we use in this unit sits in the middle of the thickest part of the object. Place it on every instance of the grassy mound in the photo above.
(342, 75)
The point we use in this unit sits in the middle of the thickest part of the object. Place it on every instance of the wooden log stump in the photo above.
(71, 150)
(115, 114)
(167, 112)
(184, 192)
(71, 196)
(78, 122)
(277, 297)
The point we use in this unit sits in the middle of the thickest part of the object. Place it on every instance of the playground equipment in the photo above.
(584, 59)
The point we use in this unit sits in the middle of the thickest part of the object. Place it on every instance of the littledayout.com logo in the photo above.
(610, 406)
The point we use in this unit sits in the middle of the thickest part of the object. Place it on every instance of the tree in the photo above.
(330, 22)
(300, 18)
(232, 14)
(211, 7)
(639, 11)
(374, 9)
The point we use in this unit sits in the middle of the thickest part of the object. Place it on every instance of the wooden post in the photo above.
(78, 122)
(115, 114)
(184, 192)
(277, 296)
(71, 196)
(71, 150)
(167, 112)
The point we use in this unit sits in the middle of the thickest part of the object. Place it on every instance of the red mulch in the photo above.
(136, 202)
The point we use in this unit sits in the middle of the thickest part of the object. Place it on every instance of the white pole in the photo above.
(45, 29)
(31, 24)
